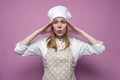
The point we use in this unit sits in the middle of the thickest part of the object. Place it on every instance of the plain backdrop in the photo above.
(19, 18)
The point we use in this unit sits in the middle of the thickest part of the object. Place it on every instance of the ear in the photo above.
(51, 27)
(66, 26)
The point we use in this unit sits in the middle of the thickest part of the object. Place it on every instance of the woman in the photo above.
(60, 52)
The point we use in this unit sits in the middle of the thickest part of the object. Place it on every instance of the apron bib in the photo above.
(59, 65)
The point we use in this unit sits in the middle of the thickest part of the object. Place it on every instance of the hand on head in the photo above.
(73, 28)
(45, 28)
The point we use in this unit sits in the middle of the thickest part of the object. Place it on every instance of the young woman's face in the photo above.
(59, 26)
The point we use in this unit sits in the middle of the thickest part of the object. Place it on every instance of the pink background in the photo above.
(19, 18)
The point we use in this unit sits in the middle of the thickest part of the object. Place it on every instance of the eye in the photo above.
(55, 22)
(63, 22)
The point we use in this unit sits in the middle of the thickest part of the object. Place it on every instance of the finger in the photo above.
(50, 23)
(47, 26)
(70, 25)
(70, 30)
(47, 31)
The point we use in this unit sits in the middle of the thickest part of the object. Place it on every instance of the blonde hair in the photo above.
(52, 42)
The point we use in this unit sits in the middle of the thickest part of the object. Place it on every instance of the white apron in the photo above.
(59, 65)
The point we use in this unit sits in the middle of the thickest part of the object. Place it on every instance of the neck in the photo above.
(60, 38)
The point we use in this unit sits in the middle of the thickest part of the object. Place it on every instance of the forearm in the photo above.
(42, 30)
(28, 39)
(91, 39)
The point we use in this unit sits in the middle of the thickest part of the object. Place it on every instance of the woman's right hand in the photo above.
(44, 29)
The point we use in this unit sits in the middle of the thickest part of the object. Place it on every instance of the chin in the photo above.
(59, 35)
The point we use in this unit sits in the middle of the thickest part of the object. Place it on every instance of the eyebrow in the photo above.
(61, 20)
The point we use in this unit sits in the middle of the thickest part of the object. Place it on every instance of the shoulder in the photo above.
(43, 39)
(75, 40)
(41, 42)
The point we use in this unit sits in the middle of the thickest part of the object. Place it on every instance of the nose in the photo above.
(59, 25)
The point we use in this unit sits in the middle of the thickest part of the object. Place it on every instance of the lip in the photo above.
(59, 31)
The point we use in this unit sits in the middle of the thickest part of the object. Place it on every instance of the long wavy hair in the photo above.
(51, 42)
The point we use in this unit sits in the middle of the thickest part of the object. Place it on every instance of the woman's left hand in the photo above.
(90, 39)
(73, 28)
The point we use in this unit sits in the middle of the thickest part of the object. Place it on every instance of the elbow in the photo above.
(103, 49)
(100, 50)
(19, 51)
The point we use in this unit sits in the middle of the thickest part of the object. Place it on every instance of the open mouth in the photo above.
(59, 31)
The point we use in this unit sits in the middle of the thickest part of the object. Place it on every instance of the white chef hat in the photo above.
(59, 11)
